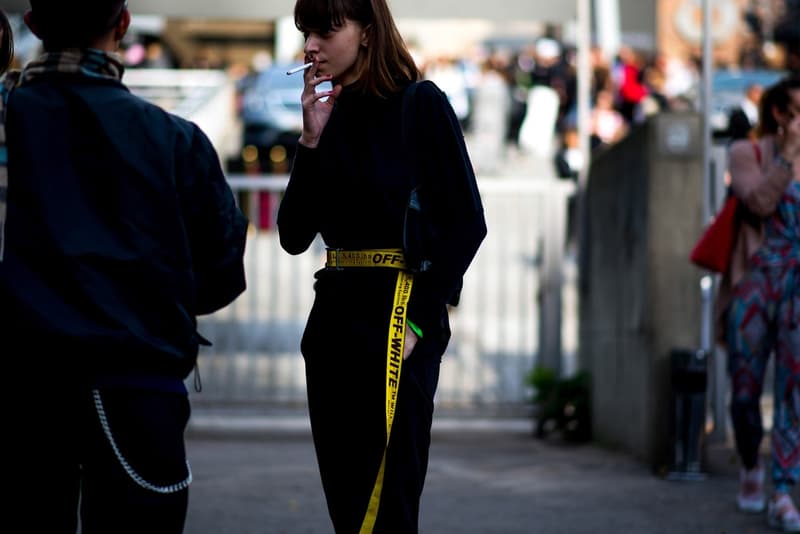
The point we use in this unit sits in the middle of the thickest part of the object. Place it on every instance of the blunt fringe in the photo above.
(386, 65)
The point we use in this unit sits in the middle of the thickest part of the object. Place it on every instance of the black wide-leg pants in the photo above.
(344, 347)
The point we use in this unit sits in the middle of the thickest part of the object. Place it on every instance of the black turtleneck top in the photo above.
(354, 187)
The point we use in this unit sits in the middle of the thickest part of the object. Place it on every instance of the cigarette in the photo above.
(298, 69)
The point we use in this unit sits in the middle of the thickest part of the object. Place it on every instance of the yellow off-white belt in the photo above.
(374, 257)
(391, 258)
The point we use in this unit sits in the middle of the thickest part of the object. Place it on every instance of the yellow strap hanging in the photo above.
(394, 363)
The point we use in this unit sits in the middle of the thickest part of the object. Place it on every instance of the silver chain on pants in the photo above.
(136, 477)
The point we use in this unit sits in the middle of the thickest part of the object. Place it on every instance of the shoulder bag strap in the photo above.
(408, 120)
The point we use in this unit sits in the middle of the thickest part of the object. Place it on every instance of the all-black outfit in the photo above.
(353, 190)
(121, 229)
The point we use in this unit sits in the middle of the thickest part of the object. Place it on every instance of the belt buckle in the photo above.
(336, 266)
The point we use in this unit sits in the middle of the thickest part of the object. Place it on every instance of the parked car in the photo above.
(728, 88)
(271, 109)
(272, 115)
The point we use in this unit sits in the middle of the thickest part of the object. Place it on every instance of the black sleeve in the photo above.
(216, 228)
(298, 214)
(453, 203)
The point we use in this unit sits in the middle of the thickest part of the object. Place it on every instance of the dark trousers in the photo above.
(62, 463)
(346, 381)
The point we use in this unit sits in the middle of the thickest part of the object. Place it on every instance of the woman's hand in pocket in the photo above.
(409, 343)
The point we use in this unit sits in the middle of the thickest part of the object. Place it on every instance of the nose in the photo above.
(311, 47)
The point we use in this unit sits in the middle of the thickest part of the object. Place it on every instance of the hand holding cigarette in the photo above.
(317, 104)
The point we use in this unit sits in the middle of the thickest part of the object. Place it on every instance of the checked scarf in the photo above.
(89, 62)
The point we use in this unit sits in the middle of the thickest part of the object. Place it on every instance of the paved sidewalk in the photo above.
(257, 475)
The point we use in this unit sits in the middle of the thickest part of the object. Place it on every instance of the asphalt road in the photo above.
(481, 480)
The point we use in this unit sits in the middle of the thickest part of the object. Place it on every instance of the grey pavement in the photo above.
(257, 475)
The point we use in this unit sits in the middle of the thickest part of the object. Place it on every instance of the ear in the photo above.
(777, 114)
(122, 26)
(31, 23)
(365, 36)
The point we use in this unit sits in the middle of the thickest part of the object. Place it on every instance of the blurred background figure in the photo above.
(447, 73)
(490, 116)
(655, 79)
(156, 56)
(520, 81)
(601, 71)
(607, 124)
(758, 301)
(627, 75)
(569, 161)
(542, 83)
(744, 118)
(569, 158)
(537, 135)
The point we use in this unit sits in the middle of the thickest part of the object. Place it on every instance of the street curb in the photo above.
(256, 424)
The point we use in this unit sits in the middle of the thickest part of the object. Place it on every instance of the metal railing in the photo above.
(508, 320)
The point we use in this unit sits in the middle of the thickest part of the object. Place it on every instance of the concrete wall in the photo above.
(639, 294)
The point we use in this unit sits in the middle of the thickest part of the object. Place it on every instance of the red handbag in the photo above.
(714, 248)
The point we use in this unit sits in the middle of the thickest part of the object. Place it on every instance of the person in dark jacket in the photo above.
(396, 257)
(117, 230)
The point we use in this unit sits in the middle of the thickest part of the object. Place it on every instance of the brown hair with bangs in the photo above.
(775, 97)
(386, 65)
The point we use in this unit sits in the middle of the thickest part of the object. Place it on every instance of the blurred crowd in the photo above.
(526, 99)
(520, 98)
